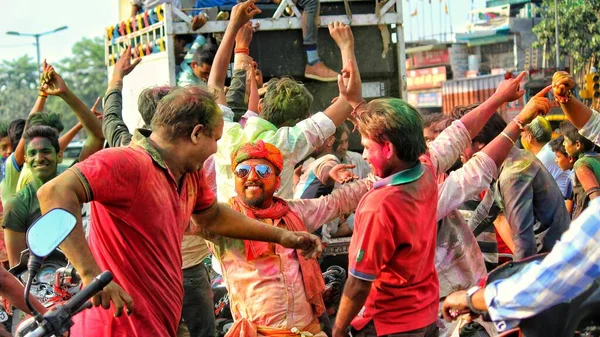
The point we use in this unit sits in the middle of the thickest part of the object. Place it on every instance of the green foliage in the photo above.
(579, 29)
(83, 71)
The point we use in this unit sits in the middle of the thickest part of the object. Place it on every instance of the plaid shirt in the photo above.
(568, 270)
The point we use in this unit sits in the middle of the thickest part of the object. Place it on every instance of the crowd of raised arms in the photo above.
(246, 174)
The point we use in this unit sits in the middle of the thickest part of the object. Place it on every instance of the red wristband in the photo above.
(242, 50)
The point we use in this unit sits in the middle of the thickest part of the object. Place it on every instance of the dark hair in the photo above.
(187, 38)
(494, 126)
(556, 145)
(148, 101)
(570, 131)
(205, 54)
(393, 120)
(339, 132)
(461, 110)
(184, 108)
(50, 119)
(3, 130)
(285, 100)
(15, 131)
(42, 131)
(437, 122)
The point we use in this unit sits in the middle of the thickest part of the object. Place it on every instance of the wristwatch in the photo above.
(470, 293)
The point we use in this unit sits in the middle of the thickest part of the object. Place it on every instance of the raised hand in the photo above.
(244, 36)
(52, 83)
(124, 66)
(341, 34)
(562, 83)
(341, 173)
(350, 85)
(243, 12)
(94, 111)
(510, 90)
(537, 105)
(310, 244)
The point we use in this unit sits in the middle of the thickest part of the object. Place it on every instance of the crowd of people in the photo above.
(246, 174)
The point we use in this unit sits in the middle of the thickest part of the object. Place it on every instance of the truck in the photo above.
(276, 47)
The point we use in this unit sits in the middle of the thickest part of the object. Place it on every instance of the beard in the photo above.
(255, 202)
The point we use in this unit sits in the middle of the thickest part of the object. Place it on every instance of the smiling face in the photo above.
(42, 158)
(254, 190)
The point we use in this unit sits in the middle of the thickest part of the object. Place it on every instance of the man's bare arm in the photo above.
(223, 221)
(67, 192)
(354, 297)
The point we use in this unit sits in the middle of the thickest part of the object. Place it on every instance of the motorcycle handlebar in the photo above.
(86, 293)
(77, 302)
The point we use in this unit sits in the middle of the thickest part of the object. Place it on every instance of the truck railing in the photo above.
(152, 32)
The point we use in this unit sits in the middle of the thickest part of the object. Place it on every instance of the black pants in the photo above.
(369, 331)
(198, 307)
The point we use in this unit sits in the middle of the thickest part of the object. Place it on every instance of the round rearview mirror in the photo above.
(49, 231)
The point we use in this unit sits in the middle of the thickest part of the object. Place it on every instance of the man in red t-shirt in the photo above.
(393, 286)
(142, 198)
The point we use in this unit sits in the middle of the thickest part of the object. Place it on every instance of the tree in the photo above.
(17, 89)
(579, 30)
(83, 71)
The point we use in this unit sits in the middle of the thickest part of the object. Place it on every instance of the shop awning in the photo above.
(480, 41)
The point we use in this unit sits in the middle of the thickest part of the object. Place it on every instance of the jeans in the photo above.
(309, 20)
(369, 331)
(198, 313)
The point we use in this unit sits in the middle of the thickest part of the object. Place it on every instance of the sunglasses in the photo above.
(262, 170)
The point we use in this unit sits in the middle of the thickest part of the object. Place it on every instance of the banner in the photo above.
(431, 58)
(427, 78)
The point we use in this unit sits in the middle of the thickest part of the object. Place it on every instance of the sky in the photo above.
(88, 18)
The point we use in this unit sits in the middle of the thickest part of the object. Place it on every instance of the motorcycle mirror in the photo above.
(49, 231)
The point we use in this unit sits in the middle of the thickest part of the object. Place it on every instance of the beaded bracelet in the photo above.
(563, 99)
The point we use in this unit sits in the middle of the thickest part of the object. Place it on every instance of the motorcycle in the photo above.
(577, 317)
(43, 237)
(56, 282)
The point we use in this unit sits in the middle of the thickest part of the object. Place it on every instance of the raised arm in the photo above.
(95, 139)
(507, 91)
(577, 112)
(67, 138)
(40, 103)
(114, 128)
(340, 110)
(240, 15)
(237, 95)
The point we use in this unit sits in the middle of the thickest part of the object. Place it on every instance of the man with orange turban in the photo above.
(275, 291)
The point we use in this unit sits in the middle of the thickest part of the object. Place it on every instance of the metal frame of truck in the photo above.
(176, 22)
